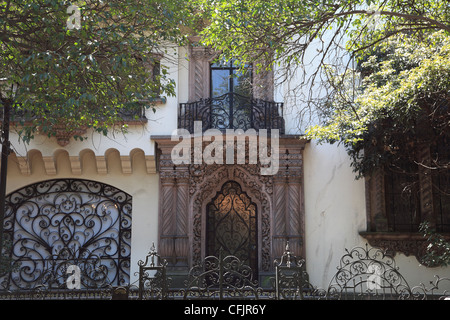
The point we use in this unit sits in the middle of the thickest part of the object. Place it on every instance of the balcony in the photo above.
(232, 111)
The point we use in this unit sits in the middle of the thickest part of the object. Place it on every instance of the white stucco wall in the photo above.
(335, 210)
(335, 213)
(335, 206)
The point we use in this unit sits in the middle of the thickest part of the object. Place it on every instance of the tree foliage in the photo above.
(83, 77)
(281, 30)
(437, 252)
(310, 35)
(403, 99)
(365, 64)
(6, 263)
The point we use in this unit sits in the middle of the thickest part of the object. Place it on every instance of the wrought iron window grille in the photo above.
(54, 223)
(232, 225)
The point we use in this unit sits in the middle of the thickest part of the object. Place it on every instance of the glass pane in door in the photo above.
(231, 225)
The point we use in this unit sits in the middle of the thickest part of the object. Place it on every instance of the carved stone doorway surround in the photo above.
(186, 189)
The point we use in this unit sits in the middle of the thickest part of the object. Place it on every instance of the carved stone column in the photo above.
(288, 203)
(426, 184)
(166, 206)
(375, 202)
(279, 215)
(166, 218)
(199, 61)
(173, 208)
(182, 216)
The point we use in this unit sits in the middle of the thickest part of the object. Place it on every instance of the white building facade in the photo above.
(124, 193)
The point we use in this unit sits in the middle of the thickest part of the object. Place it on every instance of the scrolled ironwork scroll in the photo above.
(232, 224)
(222, 277)
(232, 111)
(439, 289)
(291, 280)
(153, 286)
(366, 273)
(54, 221)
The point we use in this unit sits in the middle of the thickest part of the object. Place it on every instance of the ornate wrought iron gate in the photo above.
(232, 225)
(55, 223)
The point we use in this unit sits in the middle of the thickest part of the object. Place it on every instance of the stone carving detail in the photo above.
(375, 202)
(426, 184)
(205, 180)
(288, 200)
(409, 245)
(173, 216)
(199, 60)
(186, 189)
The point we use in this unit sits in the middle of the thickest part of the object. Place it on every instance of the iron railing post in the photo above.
(4, 167)
(220, 274)
(277, 283)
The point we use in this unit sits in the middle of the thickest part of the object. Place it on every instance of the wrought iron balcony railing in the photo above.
(232, 111)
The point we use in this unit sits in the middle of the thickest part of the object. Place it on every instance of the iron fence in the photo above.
(363, 274)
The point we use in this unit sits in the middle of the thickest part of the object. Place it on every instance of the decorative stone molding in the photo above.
(63, 136)
(126, 164)
(185, 191)
(150, 164)
(102, 168)
(409, 244)
(173, 208)
(426, 184)
(75, 164)
(25, 163)
(50, 165)
(207, 181)
(375, 202)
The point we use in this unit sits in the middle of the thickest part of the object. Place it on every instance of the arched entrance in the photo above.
(187, 189)
(231, 225)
